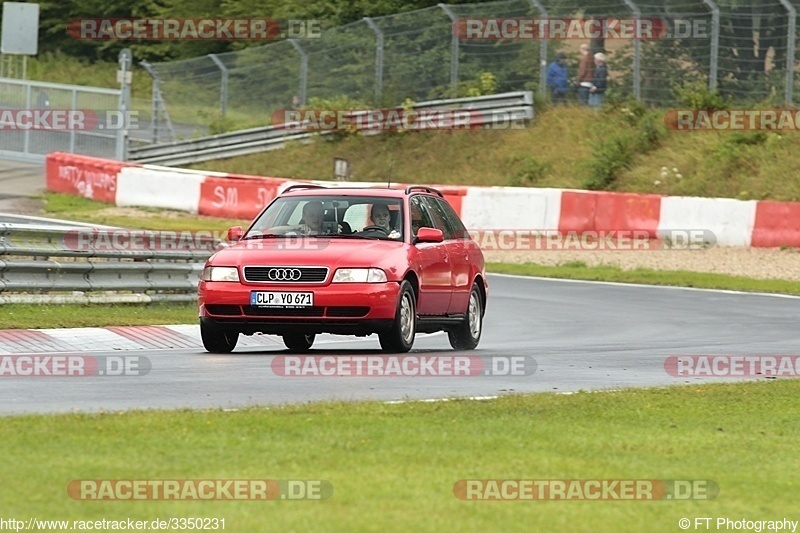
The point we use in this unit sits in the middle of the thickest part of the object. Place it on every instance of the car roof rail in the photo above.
(424, 188)
(303, 186)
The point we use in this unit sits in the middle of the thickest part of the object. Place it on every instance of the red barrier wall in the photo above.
(237, 196)
(777, 224)
(90, 177)
(608, 211)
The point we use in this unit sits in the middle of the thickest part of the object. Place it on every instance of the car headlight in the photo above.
(359, 275)
(212, 273)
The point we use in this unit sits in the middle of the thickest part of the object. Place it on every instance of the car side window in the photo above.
(459, 230)
(419, 215)
(438, 216)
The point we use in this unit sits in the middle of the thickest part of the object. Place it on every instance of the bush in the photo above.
(530, 174)
(216, 122)
(609, 157)
(338, 103)
(614, 154)
(696, 95)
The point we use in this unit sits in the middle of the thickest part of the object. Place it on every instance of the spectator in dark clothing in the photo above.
(600, 81)
(585, 74)
(557, 79)
(42, 100)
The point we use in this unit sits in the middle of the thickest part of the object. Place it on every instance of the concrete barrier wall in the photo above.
(733, 222)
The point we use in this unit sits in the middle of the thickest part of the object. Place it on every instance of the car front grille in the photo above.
(250, 310)
(316, 311)
(285, 274)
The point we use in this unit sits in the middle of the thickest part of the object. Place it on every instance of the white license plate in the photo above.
(281, 299)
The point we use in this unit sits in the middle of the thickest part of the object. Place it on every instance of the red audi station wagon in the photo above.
(351, 261)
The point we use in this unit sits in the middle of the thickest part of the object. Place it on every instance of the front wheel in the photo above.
(298, 342)
(468, 334)
(216, 338)
(400, 338)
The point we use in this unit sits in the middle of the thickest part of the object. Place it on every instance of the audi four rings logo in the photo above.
(284, 274)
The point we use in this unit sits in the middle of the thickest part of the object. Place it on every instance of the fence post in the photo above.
(303, 69)
(542, 51)
(790, 51)
(27, 136)
(223, 86)
(637, 14)
(157, 101)
(454, 50)
(712, 73)
(73, 107)
(378, 59)
(125, 65)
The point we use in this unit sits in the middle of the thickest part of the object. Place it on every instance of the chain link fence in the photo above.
(745, 51)
(37, 118)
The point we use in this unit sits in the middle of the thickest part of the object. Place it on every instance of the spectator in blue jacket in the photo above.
(557, 79)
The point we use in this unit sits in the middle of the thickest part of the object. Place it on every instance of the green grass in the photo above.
(31, 316)
(678, 278)
(393, 467)
(85, 210)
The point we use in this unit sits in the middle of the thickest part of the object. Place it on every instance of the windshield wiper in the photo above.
(266, 236)
(354, 236)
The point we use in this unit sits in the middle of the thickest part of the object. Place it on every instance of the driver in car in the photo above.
(381, 218)
(382, 221)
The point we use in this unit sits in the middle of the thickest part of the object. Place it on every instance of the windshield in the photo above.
(342, 216)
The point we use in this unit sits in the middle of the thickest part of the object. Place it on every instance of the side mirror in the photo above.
(235, 233)
(430, 235)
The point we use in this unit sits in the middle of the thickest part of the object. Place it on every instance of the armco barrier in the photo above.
(776, 224)
(733, 222)
(45, 264)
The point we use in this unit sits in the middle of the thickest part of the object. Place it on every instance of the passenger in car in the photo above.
(311, 223)
(313, 217)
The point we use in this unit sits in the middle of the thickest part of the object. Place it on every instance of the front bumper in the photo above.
(345, 308)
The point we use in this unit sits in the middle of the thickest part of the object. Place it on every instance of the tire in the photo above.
(298, 342)
(216, 338)
(468, 334)
(400, 338)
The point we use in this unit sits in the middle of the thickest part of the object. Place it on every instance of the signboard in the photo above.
(20, 29)
(342, 170)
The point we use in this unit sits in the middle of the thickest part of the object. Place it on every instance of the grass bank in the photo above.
(619, 149)
(393, 467)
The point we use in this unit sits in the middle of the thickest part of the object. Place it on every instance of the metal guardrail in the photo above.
(48, 263)
(491, 108)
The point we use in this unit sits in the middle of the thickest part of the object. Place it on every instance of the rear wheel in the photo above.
(216, 338)
(400, 338)
(298, 342)
(468, 334)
